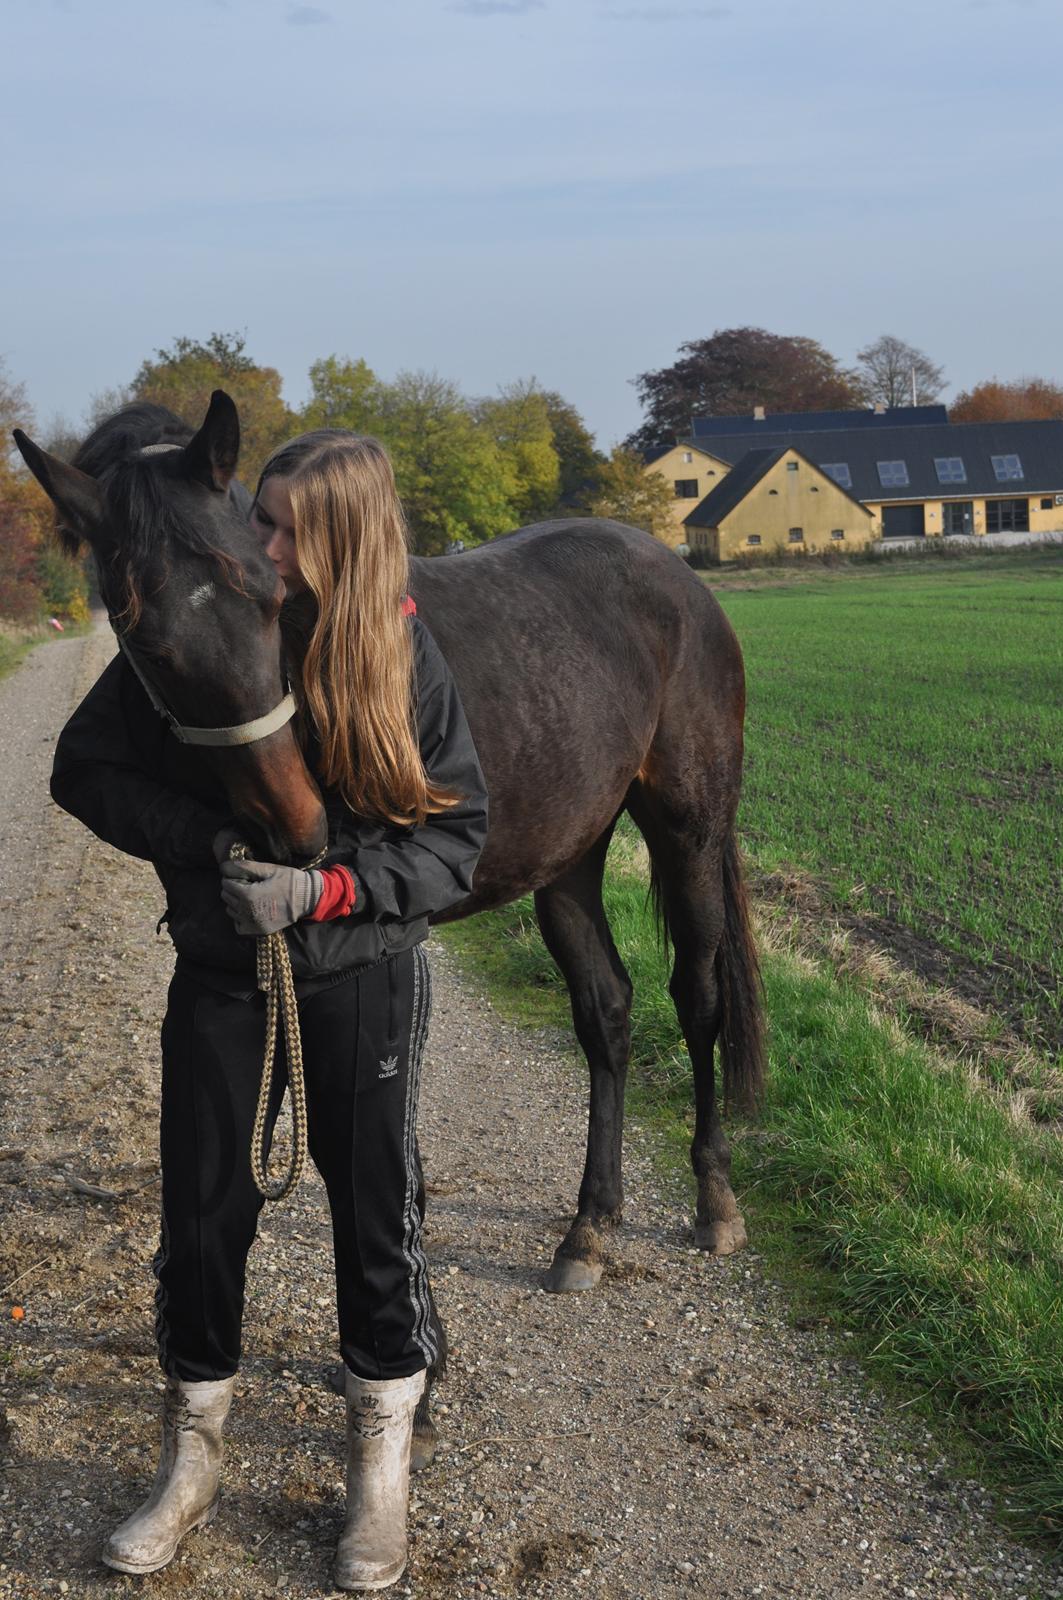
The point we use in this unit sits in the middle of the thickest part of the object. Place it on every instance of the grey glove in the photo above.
(262, 897)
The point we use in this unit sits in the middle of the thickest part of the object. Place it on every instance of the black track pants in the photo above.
(362, 1045)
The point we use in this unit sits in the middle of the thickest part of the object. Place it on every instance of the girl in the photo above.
(386, 737)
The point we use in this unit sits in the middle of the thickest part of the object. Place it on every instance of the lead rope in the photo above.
(276, 982)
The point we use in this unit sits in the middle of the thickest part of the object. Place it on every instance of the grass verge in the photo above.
(18, 639)
(931, 1221)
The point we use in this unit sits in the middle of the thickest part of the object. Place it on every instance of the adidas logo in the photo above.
(390, 1067)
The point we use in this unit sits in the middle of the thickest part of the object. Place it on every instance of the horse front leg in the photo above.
(576, 933)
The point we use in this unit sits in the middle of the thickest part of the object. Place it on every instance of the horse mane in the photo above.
(137, 505)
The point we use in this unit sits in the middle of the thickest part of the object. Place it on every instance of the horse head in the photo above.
(194, 600)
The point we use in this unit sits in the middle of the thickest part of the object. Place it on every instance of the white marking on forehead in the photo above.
(201, 596)
(157, 449)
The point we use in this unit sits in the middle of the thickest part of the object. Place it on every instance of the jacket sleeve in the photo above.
(108, 773)
(421, 870)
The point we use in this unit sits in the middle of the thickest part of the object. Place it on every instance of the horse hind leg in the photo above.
(714, 986)
(574, 928)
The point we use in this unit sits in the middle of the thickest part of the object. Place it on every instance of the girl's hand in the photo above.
(262, 897)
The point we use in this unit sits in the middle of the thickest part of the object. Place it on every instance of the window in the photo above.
(687, 457)
(1006, 467)
(754, 538)
(814, 488)
(1046, 504)
(837, 533)
(1007, 516)
(839, 471)
(792, 466)
(773, 491)
(893, 474)
(950, 469)
(797, 535)
(686, 488)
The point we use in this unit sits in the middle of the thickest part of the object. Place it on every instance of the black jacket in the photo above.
(120, 771)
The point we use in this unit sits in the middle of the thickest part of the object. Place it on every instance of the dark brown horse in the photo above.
(599, 675)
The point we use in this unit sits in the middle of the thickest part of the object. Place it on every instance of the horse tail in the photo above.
(743, 1045)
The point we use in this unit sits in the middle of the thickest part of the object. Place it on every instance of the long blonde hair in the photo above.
(358, 681)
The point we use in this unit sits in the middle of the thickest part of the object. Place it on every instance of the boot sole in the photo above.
(137, 1569)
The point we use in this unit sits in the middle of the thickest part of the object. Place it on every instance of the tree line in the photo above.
(469, 469)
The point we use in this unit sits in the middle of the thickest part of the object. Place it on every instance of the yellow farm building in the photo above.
(819, 480)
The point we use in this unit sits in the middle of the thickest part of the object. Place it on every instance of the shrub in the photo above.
(62, 583)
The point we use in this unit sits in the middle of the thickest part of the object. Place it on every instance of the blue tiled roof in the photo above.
(818, 421)
(1039, 446)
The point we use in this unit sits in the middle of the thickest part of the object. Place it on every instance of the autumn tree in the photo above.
(733, 371)
(35, 575)
(628, 493)
(184, 376)
(1023, 400)
(886, 367)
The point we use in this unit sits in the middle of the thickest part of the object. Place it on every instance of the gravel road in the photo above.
(671, 1434)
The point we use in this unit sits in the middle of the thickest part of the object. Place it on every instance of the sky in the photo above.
(502, 189)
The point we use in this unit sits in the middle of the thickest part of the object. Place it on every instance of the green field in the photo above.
(904, 740)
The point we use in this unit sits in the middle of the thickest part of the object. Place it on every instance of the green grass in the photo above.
(932, 1223)
(14, 647)
(18, 639)
(905, 741)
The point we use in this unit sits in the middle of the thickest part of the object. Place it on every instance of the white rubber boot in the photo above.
(372, 1550)
(185, 1492)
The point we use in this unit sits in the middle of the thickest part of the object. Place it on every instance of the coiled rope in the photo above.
(277, 984)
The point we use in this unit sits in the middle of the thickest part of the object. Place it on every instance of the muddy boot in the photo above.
(185, 1492)
(372, 1550)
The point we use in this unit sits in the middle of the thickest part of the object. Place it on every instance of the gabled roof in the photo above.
(818, 421)
(650, 456)
(744, 476)
(1039, 446)
(730, 491)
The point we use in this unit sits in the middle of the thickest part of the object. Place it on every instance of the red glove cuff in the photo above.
(337, 895)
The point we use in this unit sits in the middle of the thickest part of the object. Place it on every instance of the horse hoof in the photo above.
(423, 1448)
(568, 1276)
(721, 1238)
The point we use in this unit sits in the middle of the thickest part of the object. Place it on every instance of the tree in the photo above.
(454, 482)
(15, 411)
(579, 463)
(628, 493)
(886, 368)
(343, 394)
(518, 422)
(733, 371)
(1024, 400)
(183, 377)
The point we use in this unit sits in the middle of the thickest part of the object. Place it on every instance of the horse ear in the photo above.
(77, 498)
(211, 456)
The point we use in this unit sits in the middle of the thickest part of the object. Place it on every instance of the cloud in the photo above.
(497, 8)
(666, 13)
(306, 16)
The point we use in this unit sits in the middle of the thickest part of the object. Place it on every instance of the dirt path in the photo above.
(670, 1434)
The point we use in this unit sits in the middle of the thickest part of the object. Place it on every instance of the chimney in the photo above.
(758, 413)
(880, 409)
